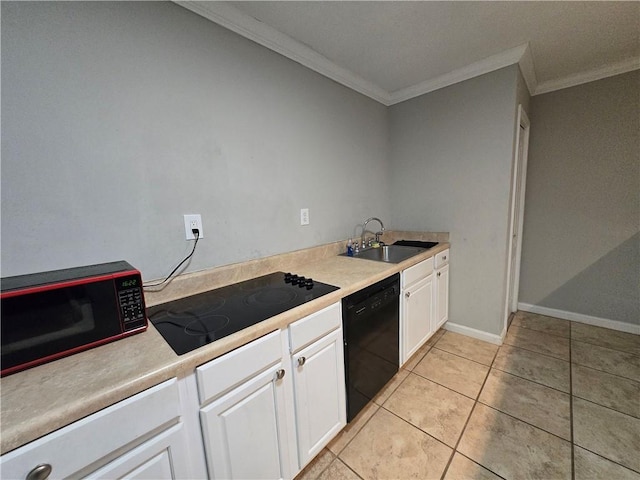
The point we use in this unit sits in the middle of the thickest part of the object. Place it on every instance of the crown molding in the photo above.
(233, 19)
(489, 64)
(528, 70)
(624, 66)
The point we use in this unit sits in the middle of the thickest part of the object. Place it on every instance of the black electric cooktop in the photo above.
(192, 322)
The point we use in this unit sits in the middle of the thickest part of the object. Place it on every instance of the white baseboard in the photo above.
(472, 332)
(581, 318)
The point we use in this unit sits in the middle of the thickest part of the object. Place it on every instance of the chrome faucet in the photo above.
(364, 230)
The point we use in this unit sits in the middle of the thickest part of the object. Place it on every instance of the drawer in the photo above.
(417, 272)
(225, 372)
(442, 258)
(307, 330)
(96, 437)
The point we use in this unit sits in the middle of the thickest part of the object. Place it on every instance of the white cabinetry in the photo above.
(246, 418)
(141, 436)
(416, 308)
(268, 407)
(441, 289)
(318, 376)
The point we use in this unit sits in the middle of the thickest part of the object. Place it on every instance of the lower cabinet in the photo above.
(270, 406)
(416, 308)
(242, 430)
(318, 380)
(245, 397)
(140, 437)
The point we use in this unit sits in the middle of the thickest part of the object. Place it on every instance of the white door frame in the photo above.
(516, 222)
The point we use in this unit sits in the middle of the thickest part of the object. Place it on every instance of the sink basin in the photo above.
(388, 253)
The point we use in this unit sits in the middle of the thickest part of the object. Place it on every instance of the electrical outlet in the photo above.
(304, 216)
(191, 222)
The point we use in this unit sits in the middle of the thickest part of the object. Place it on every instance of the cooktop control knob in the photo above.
(287, 277)
(309, 283)
(302, 282)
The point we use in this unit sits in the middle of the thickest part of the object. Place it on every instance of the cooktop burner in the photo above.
(192, 322)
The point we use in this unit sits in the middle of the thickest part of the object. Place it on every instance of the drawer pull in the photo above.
(301, 361)
(40, 472)
(444, 258)
(280, 374)
(439, 274)
(408, 294)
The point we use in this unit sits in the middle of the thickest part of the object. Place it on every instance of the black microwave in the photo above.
(49, 315)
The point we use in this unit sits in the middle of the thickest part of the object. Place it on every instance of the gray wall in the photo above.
(118, 118)
(581, 246)
(451, 157)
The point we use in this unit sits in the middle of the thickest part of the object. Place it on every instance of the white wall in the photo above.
(581, 240)
(120, 117)
(451, 154)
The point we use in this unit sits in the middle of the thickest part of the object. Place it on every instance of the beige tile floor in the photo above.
(558, 400)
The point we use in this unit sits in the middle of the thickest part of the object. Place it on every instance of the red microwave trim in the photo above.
(66, 283)
(71, 351)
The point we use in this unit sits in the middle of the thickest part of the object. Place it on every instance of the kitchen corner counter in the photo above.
(40, 400)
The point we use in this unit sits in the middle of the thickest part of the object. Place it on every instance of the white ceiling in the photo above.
(392, 51)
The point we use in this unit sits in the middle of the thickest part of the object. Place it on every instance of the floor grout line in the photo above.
(607, 347)
(464, 427)
(492, 407)
(582, 365)
(462, 356)
(447, 387)
(541, 331)
(539, 353)
(573, 445)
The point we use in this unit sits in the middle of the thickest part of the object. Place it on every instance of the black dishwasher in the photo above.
(371, 341)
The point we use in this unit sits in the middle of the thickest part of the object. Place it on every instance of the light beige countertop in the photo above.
(45, 398)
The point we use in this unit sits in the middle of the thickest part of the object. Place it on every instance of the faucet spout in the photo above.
(364, 230)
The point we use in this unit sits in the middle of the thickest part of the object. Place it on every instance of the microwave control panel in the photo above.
(131, 302)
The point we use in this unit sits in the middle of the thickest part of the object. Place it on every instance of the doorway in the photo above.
(518, 185)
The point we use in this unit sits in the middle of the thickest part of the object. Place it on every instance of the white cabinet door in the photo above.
(442, 296)
(245, 430)
(162, 457)
(417, 314)
(319, 389)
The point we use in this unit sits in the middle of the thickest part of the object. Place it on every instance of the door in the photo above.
(418, 304)
(318, 380)
(245, 430)
(518, 184)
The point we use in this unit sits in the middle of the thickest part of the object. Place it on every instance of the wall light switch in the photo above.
(304, 216)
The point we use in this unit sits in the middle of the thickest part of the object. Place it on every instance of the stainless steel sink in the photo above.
(388, 253)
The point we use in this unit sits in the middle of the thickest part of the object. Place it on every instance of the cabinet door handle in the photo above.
(439, 273)
(280, 374)
(39, 472)
(301, 361)
(408, 294)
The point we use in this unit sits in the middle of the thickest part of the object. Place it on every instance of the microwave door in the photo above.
(65, 321)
